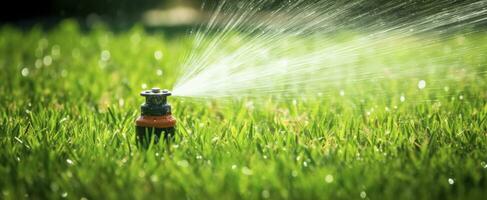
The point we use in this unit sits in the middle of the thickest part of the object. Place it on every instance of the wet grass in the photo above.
(69, 100)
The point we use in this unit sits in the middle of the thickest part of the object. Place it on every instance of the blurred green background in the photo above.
(122, 13)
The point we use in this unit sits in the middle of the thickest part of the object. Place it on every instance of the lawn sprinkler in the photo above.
(155, 119)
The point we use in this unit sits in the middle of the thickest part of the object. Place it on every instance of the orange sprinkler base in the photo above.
(156, 120)
(164, 121)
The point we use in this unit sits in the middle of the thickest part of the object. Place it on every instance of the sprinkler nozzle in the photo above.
(155, 102)
(156, 118)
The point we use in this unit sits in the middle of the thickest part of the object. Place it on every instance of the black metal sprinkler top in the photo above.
(155, 102)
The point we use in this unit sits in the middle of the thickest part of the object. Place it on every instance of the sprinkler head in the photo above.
(155, 102)
(156, 119)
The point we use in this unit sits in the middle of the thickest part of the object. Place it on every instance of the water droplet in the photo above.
(246, 171)
(402, 98)
(159, 72)
(183, 163)
(329, 178)
(460, 97)
(105, 55)
(265, 194)
(294, 173)
(18, 140)
(38, 63)
(154, 178)
(158, 55)
(64, 194)
(421, 84)
(144, 86)
(305, 164)
(63, 120)
(25, 71)
(363, 194)
(70, 162)
(234, 167)
(451, 181)
(121, 102)
(198, 157)
(47, 60)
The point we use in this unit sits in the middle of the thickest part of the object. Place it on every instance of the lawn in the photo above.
(69, 98)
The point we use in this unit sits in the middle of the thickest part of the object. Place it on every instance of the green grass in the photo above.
(67, 127)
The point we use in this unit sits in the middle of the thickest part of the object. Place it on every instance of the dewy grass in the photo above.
(69, 100)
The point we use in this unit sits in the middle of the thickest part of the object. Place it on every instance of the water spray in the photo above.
(156, 120)
(251, 48)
